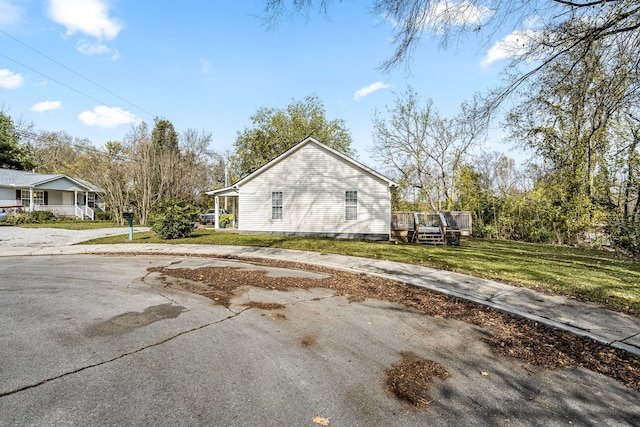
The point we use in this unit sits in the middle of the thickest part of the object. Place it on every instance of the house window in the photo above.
(91, 200)
(276, 205)
(38, 198)
(351, 205)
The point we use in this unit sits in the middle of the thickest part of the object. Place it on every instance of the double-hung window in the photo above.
(276, 205)
(351, 205)
(38, 197)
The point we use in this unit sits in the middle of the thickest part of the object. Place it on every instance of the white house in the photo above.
(313, 190)
(60, 194)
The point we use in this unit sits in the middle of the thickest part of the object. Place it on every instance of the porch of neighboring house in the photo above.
(436, 228)
(66, 204)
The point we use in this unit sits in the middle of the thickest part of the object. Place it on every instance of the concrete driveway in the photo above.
(97, 340)
(48, 237)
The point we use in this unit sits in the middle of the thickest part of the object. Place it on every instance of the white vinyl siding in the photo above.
(314, 182)
(276, 205)
(351, 206)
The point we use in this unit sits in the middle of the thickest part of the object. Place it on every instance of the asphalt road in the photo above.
(97, 340)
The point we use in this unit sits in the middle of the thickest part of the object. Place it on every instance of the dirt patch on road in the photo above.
(264, 305)
(409, 379)
(512, 336)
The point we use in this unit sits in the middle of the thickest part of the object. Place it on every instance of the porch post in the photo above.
(234, 203)
(217, 219)
(86, 204)
(30, 199)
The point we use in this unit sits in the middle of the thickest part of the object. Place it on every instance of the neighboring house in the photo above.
(313, 190)
(60, 194)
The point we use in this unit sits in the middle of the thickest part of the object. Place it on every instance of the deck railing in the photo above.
(459, 221)
(403, 224)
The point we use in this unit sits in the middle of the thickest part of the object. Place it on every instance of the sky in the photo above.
(95, 68)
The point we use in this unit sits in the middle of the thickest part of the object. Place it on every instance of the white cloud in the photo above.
(368, 90)
(107, 117)
(10, 13)
(10, 80)
(511, 46)
(447, 13)
(87, 48)
(461, 13)
(89, 17)
(46, 106)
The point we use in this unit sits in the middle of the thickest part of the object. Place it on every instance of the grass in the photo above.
(72, 225)
(588, 274)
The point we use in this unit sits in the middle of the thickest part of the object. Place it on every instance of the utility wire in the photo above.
(124, 113)
(77, 74)
(42, 139)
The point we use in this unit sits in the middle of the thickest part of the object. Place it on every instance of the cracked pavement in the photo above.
(96, 340)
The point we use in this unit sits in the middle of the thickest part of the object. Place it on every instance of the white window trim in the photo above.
(351, 205)
(274, 207)
(38, 198)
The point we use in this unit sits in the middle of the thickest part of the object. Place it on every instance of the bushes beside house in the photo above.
(35, 217)
(173, 219)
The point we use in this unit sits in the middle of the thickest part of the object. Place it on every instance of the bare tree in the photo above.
(144, 185)
(195, 166)
(167, 165)
(498, 173)
(112, 174)
(423, 150)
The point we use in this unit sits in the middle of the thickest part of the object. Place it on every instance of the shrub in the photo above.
(173, 219)
(30, 218)
(19, 218)
(42, 216)
(104, 216)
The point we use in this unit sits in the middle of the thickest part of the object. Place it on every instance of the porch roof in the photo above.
(24, 179)
(226, 191)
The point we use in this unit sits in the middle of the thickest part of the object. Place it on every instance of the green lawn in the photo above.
(593, 275)
(72, 225)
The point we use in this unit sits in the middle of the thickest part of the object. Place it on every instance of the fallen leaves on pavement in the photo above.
(321, 420)
(511, 336)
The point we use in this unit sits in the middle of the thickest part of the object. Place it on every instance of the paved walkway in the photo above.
(612, 328)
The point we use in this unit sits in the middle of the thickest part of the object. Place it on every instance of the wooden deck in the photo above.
(436, 228)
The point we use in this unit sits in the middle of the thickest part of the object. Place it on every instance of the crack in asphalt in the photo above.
(104, 362)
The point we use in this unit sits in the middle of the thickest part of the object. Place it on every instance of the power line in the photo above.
(77, 74)
(124, 113)
(42, 139)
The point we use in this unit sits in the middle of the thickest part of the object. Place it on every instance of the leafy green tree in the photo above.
(164, 136)
(12, 155)
(275, 130)
(567, 120)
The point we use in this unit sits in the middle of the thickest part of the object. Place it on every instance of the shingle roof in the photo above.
(32, 179)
